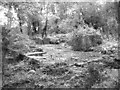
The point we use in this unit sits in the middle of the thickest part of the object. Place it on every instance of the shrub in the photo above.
(84, 39)
(20, 42)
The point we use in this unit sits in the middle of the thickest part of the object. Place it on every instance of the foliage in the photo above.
(65, 26)
(80, 25)
(84, 39)
(21, 43)
(71, 15)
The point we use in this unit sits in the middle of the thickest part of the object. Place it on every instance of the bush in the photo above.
(84, 39)
(112, 28)
(20, 42)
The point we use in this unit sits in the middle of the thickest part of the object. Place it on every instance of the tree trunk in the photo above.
(5, 44)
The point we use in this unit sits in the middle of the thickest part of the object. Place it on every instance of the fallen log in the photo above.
(81, 64)
(35, 53)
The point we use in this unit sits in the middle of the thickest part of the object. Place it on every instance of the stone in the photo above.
(38, 40)
(46, 40)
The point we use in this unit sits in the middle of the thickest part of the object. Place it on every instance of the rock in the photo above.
(32, 47)
(39, 49)
(38, 40)
(46, 40)
(54, 40)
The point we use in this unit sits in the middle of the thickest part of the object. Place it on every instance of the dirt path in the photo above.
(58, 53)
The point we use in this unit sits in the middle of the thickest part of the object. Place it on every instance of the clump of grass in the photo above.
(93, 76)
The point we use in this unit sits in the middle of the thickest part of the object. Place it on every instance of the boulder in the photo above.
(59, 38)
(38, 40)
(54, 40)
(46, 40)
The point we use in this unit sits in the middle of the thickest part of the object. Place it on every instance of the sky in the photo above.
(3, 19)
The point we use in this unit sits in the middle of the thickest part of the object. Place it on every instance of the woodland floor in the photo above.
(57, 66)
